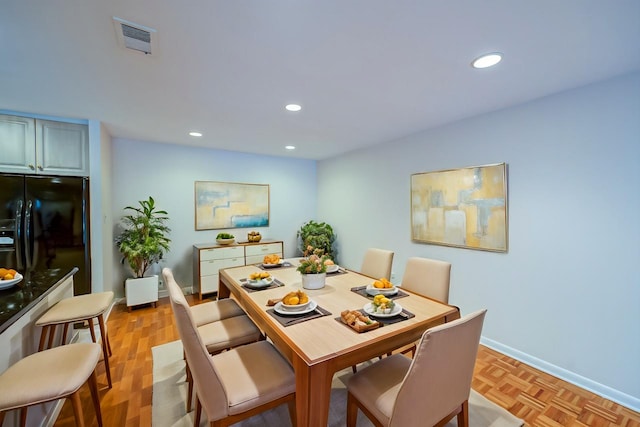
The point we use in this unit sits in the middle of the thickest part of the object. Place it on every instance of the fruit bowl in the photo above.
(225, 241)
(296, 307)
(254, 237)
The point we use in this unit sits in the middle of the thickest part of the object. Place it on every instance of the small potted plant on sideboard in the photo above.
(143, 242)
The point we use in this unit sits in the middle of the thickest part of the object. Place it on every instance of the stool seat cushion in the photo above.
(77, 308)
(214, 311)
(47, 375)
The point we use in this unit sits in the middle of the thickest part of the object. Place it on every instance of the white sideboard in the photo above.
(209, 258)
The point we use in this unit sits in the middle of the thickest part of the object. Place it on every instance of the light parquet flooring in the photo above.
(538, 398)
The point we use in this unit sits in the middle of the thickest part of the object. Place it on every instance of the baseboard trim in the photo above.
(607, 392)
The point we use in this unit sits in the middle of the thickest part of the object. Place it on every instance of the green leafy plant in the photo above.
(313, 264)
(143, 239)
(317, 238)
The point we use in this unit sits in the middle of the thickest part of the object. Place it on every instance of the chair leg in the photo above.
(189, 389)
(352, 411)
(2, 414)
(196, 418)
(23, 416)
(463, 415)
(105, 352)
(93, 386)
(77, 408)
(292, 412)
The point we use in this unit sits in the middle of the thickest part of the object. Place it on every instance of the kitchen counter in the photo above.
(36, 285)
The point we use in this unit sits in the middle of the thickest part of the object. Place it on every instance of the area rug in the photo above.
(170, 393)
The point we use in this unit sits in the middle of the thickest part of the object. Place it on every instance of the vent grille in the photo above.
(134, 36)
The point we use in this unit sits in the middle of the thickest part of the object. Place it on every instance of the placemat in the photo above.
(338, 272)
(401, 317)
(298, 318)
(276, 284)
(362, 290)
(285, 264)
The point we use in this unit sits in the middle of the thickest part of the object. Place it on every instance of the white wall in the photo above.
(566, 296)
(167, 173)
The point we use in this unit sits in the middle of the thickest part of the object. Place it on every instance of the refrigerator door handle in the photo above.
(17, 237)
(27, 232)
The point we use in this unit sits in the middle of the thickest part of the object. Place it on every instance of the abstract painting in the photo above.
(231, 205)
(465, 207)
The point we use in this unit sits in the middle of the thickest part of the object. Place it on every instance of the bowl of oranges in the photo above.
(9, 277)
(382, 287)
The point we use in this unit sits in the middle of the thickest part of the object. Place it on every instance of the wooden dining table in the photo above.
(319, 347)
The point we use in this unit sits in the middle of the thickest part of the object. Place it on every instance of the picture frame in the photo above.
(463, 208)
(225, 205)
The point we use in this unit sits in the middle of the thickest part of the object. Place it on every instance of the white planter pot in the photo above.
(313, 281)
(141, 291)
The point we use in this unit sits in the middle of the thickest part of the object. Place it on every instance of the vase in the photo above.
(313, 281)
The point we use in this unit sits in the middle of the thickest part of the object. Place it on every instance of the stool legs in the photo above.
(93, 386)
(105, 351)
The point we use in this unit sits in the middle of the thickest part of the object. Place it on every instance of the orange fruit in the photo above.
(8, 276)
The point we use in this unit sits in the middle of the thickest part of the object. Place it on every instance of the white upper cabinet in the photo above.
(34, 146)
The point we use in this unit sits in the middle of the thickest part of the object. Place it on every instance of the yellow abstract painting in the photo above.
(464, 207)
(222, 205)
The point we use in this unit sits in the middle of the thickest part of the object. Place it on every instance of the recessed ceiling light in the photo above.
(290, 147)
(293, 107)
(488, 60)
(195, 133)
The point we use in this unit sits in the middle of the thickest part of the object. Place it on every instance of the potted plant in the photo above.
(317, 238)
(143, 242)
(314, 271)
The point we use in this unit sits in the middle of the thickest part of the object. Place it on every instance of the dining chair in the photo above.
(429, 278)
(219, 335)
(440, 374)
(235, 384)
(377, 263)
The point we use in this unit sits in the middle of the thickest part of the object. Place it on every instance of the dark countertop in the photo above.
(16, 301)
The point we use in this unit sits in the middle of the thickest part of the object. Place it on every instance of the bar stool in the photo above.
(50, 375)
(78, 309)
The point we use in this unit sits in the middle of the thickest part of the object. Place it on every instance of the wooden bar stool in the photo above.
(50, 375)
(78, 309)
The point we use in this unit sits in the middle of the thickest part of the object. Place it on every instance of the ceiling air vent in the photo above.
(135, 36)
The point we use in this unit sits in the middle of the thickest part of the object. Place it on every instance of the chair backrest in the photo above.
(440, 372)
(428, 277)
(377, 263)
(208, 386)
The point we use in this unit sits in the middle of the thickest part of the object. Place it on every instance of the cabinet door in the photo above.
(62, 148)
(17, 144)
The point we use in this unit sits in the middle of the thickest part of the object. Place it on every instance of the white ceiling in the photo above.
(365, 71)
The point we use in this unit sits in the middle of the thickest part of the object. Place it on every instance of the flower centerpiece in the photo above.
(313, 271)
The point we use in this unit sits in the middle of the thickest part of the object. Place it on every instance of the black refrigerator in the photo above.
(44, 224)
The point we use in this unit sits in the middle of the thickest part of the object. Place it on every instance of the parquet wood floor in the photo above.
(538, 398)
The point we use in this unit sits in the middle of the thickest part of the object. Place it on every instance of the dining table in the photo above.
(318, 344)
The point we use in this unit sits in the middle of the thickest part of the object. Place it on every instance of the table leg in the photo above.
(313, 392)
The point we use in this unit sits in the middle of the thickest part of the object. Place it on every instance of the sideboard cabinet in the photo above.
(209, 258)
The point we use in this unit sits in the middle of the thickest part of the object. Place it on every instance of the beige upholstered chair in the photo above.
(238, 383)
(50, 375)
(213, 311)
(219, 335)
(377, 263)
(440, 374)
(428, 277)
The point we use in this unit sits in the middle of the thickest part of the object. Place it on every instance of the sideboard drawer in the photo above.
(221, 253)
